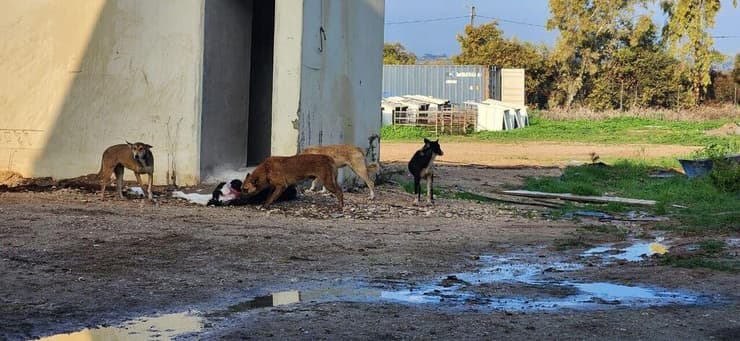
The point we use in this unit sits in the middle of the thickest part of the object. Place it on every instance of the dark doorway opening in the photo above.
(237, 84)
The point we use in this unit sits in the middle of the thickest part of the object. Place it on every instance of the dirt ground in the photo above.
(70, 261)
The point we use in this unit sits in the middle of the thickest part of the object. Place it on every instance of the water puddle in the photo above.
(632, 253)
(163, 327)
(502, 283)
(515, 283)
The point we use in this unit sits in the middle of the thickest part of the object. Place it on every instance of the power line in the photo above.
(473, 14)
(511, 21)
(725, 37)
(425, 20)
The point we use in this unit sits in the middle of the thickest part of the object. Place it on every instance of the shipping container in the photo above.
(456, 83)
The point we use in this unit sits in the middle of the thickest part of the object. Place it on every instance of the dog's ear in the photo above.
(129, 143)
(149, 146)
(426, 141)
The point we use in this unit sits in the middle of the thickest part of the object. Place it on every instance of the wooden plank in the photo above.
(581, 198)
(509, 200)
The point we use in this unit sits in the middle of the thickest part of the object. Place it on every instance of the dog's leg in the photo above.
(430, 188)
(332, 186)
(314, 183)
(104, 176)
(276, 192)
(417, 188)
(119, 180)
(362, 173)
(149, 189)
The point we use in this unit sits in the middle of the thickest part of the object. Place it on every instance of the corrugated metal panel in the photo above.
(457, 83)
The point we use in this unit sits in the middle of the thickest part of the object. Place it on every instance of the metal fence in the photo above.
(454, 122)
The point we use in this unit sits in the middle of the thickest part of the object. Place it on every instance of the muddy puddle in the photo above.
(632, 253)
(511, 283)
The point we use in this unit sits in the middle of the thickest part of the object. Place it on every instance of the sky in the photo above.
(413, 24)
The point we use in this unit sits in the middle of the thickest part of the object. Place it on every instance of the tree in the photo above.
(395, 53)
(736, 69)
(486, 45)
(687, 34)
(639, 73)
(589, 33)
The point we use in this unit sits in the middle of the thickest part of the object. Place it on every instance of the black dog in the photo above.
(230, 194)
(420, 166)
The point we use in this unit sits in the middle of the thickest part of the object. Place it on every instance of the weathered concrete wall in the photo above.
(226, 84)
(286, 85)
(80, 75)
(341, 74)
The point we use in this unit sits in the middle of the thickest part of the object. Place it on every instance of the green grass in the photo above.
(608, 131)
(707, 208)
(408, 186)
(568, 244)
(694, 261)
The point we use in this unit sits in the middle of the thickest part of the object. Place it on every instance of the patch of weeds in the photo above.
(695, 261)
(697, 205)
(712, 247)
(569, 244)
(725, 173)
(399, 132)
(617, 232)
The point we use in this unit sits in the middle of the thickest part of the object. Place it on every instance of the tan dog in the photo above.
(346, 155)
(280, 172)
(134, 156)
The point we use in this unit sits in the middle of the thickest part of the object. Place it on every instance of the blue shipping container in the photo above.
(457, 83)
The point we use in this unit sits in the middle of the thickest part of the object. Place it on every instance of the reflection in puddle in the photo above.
(633, 253)
(163, 327)
(517, 285)
(501, 284)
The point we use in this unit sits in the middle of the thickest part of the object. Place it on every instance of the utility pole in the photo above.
(472, 15)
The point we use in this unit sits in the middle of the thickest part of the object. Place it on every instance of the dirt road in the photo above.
(531, 153)
(384, 269)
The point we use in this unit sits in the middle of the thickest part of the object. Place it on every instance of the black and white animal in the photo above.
(230, 194)
(225, 192)
(421, 165)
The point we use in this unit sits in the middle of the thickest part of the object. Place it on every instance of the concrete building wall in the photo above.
(80, 75)
(286, 84)
(341, 73)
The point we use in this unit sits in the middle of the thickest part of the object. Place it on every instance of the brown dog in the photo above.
(346, 155)
(135, 156)
(279, 172)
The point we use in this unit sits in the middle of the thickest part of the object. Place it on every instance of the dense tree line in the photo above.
(609, 55)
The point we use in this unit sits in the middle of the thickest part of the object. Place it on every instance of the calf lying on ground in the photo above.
(421, 165)
(281, 172)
